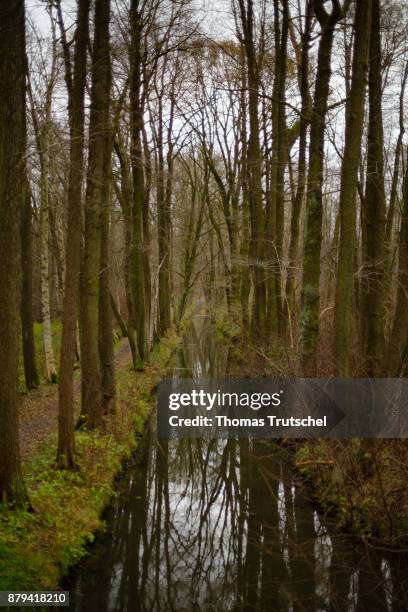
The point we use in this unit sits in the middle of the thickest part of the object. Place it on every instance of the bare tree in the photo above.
(75, 78)
(349, 170)
(91, 264)
(12, 186)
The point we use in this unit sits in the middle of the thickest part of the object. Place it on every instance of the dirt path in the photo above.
(38, 410)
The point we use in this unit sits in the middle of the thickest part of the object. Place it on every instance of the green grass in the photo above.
(37, 548)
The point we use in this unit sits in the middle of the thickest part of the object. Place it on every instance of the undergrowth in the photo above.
(362, 483)
(38, 546)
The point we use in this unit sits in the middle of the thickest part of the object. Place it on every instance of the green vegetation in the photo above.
(226, 329)
(56, 329)
(278, 203)
(38, 547)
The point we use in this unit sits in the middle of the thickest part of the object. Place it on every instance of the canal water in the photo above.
(226, 525)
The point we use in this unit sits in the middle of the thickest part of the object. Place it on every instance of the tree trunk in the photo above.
(163, 233)
(57, 229)
(163, 217)
(118, 316)
(90, 271)
(125, 199)
(106, 353)
(301, 171)
(373, 212)
(254, 164)
(310, 301)
(146, 236)
(12, 182)
(245, 281)
(42, 122)
(76, 93)
(275, 211)
(44, 141)
(390, 234)
(349, 174)
(27, 321)
(137, 267)
(397, 347)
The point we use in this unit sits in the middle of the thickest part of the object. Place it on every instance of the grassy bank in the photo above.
(37, 548)
(361, 483)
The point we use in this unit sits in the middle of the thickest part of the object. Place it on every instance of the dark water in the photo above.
(225, 525)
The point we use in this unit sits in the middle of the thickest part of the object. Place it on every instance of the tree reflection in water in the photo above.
(217, 525)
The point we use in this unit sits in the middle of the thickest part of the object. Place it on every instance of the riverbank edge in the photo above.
(37, 548)
(360, 484)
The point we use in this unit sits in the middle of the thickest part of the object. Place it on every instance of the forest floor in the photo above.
(38, 410)
(39, 543)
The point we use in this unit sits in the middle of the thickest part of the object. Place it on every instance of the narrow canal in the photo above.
(223, 525)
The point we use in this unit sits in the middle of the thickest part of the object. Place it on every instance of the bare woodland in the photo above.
(151, 162)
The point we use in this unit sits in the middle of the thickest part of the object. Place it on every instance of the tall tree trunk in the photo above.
(137, 267)
(275, 211)
(397, 349)
(42, 122)
(373, 211)
(234, 238)
(44, 140)
(27, 320)
(301, 170)
(390, 234)
(76, 93)
(125, 199)
(164, 219)
(90, 271)
(167, 199)
(57, 229)
(254, 166)
(146, 236)
(310, 301)
(162, 229)
(245, 282)
(106, 353)
(397, 160)
(281, 160)
(349, 174)
(12, 182)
